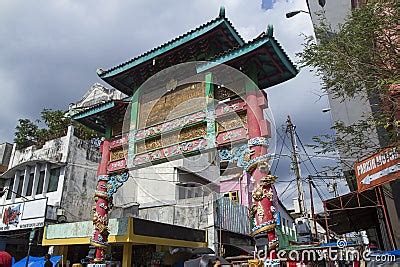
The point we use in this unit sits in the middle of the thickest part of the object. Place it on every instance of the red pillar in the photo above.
(103, 203)
(262, 208)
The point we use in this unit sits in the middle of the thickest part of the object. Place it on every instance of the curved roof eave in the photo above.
(247, 48)
(180, 40)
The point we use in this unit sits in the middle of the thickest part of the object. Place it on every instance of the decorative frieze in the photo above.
(171, 125)
(172, 151)
(229, 107)
(231, 136)
(185, 134)
(116, 165)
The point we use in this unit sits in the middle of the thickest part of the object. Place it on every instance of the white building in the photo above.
(51, 184)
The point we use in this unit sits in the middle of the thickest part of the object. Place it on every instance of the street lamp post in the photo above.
(294, 13)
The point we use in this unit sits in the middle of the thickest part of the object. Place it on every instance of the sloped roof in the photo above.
(178, 41)
(264, 42)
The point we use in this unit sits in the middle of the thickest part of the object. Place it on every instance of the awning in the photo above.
(126, 230)
(351, 212)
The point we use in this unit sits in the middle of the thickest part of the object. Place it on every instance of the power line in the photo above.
(305, 151)
(287, 187)
(280, 152)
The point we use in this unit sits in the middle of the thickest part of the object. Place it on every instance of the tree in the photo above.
(360, 59)
(26, 133)
(56, 124)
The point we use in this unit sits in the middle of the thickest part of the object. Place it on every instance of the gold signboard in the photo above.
(184, 100)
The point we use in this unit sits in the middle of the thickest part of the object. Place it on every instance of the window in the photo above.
(30, 185)
(10, 187)
(234, 196)
(20, 184)
(39, 189)
(53, 182)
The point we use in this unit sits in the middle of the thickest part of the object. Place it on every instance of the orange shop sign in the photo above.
(380, 168)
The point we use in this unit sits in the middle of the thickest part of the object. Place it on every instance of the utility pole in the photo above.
(296, 165)
(311, 184)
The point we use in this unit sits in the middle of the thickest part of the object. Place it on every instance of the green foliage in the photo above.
(56, 124)
(360, 59)
(26, 133)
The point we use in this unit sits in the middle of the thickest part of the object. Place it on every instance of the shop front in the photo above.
(19, 221)
(133, 242)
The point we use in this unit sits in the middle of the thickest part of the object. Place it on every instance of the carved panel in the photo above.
(231, 122)
(118, 142)
(232, 106)
(184, 100)
(118, 154)
(223, 93)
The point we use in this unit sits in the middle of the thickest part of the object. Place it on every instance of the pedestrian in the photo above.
(5, 259)
(47, 262)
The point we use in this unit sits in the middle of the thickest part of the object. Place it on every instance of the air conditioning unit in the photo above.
(60, 212)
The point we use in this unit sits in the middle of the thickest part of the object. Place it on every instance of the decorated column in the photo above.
(262, 211)
(107, 185)
(101, 209)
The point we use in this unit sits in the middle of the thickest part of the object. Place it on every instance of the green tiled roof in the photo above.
(180, 40)
(247, 48)
(265, 40)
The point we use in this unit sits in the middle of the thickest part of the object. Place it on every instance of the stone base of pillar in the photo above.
(272, 263)
(96, 265)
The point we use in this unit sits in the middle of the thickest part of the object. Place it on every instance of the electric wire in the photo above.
(280, 152)
(305, 151)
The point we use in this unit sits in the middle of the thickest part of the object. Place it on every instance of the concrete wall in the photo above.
(5, 154)
(52, 150)
(80, 182)
(187, 212)
(335, 11)
(158, 183)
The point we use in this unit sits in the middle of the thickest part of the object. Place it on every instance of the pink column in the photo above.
(100, 215)
(262, 208)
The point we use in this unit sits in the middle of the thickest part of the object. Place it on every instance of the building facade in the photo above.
(46, 185)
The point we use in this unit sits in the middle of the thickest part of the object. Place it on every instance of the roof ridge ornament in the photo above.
(270, 30)
(100, 71)
(221, 12)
